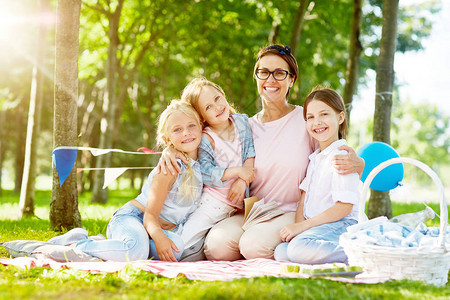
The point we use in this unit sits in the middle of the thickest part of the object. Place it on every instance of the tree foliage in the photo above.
(162, 44)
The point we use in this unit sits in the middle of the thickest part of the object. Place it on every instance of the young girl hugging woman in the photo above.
(329, 200)
(149, 226)
(226, 156)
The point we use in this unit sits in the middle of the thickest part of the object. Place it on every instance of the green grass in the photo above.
(44, 283)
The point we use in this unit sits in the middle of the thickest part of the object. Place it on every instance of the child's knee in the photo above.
(280, 252)
(301, 251)
(136, 250)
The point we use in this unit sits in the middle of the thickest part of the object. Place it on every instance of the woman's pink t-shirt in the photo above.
(282, 149)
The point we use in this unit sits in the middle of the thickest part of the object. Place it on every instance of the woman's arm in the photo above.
(350, 163)
(157, 194)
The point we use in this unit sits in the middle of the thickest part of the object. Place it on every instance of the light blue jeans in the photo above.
(127, 238)
(317, 245)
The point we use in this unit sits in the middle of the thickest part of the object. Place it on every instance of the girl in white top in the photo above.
(328, 203)
(226, 155)
(149, 226)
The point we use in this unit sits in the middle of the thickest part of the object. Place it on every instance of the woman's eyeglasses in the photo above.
(279, 75)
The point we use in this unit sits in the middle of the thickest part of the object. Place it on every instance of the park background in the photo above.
(160, 45)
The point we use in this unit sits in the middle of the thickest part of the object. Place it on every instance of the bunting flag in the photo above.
(64, 158)
(111, 174)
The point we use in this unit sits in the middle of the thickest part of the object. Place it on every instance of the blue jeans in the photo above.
(317, 245)
(128, 239)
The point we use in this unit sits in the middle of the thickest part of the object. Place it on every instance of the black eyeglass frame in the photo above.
(273, 74)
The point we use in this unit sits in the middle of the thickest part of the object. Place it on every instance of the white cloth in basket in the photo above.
(381, 232)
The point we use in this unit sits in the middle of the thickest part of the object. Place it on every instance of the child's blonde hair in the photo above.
(188, 187)
(191, 93)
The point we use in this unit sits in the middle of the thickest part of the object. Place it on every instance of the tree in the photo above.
(64, 205)
(355, 48)
(100, 195)
(26, 204)
(379, 202)
(421, 131)
(298, 21)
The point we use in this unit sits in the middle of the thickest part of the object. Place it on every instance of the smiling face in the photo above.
(212, 106)
(184, 133)
(322, 123)
(270, 89)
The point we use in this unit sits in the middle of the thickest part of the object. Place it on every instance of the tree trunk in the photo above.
(295, 38)
(351, 75)
(64, 205)
(297, 29)
(379, 202)
(20, 151)
(274, 33)
(26, 203)
(100, 195)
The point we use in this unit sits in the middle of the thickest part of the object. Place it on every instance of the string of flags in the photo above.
(64, 158)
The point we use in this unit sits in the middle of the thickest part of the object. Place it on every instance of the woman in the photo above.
(282, 147)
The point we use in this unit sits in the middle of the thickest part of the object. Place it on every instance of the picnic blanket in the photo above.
(30, 254)
(201, 270)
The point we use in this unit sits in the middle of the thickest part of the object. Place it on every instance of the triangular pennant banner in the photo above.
(111, 174)
(147, 151)
(97, 152)
(64, 159)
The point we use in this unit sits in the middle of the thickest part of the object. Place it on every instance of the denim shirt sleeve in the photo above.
(211, 173)
(248, 148)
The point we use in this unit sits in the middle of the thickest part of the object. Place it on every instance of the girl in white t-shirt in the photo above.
(328, 204)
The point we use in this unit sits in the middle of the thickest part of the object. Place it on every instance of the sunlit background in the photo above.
(423, 76)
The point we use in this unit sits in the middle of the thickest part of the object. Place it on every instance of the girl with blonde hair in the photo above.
(149, 226)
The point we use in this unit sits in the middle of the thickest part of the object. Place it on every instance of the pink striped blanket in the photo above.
(201, 270)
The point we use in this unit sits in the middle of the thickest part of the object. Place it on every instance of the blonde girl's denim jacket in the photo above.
(212, 173)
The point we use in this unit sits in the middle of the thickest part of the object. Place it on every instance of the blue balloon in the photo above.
(374, 154)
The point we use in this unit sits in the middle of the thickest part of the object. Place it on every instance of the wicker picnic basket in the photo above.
(431, 265)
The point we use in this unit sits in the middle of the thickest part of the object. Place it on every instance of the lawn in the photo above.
(43, 283)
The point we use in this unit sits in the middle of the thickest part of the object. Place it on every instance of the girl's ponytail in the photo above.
(189, 185)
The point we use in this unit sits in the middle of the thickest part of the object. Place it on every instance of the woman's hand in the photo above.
(165, 247)
(347, 164)
(168, 161)
(237, 191)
